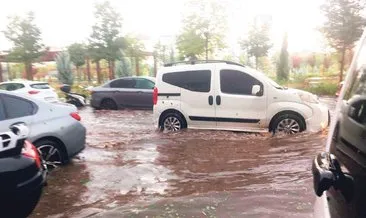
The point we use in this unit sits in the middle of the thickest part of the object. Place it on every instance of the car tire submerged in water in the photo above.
(51, 153)
(108, 104)
(21, 206)
(172, 122)
(288, 124)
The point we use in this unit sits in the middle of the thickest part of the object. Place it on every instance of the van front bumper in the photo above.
(320, 119)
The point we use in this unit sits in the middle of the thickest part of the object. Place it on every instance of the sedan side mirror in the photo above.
(327, 173)
(256, 90)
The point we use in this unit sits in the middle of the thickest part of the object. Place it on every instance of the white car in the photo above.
(225, 95)
(39, 90)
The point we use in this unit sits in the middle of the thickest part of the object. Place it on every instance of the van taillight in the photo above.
(155, 96)
(76, 116)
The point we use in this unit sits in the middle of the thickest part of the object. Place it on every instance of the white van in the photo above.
(225, 95)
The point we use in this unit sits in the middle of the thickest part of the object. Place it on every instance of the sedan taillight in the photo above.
(29, 150)
(76, 116)
(33, 92)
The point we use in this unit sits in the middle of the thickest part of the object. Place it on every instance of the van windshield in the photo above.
(269, 80)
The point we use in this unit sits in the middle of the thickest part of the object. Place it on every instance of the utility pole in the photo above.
(206, 46)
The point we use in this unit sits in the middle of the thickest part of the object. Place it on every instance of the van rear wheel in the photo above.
(172, 122)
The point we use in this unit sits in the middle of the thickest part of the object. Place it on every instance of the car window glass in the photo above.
(144, 84)
(358, 111)
(2, 112)
(237, 82)
(17, 107)
(11, 86)
(197, 81)
(123, 83)
(40, 86)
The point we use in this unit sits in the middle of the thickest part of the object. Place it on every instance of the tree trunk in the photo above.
(342, 63)
(110, 66)
(78, 73)
(88, 69)
(155, 65)
(137, 66)
(1, 73)
(28, 71)
(98, 73)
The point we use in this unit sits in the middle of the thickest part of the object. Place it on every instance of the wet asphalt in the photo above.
(129, 169)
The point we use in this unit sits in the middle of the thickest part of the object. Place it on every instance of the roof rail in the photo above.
(203, 62)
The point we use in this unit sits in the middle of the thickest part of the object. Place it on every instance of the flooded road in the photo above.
(131, 170)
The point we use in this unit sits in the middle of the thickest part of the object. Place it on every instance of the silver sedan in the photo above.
(55, 128)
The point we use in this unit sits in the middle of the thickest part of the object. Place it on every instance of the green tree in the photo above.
(344, 26)
(283, 62)
(203, 30)
(94, 53)
(105, 36)
(258, 42)
(123, 67)
(135, 50)
(26, 39)
(77, 54)
(64, 72)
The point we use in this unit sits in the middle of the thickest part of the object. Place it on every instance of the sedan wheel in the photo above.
(172, 123)
(51, 155)
(288, 126)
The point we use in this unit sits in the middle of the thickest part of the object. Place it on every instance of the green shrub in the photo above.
(323, 89)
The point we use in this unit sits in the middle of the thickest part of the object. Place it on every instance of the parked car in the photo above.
(34, 89)
(22, 174)
(229, 96)
(124, 92)
(339, 173)
(55, 128)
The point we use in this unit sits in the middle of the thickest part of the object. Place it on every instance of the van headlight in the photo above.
(309, 98)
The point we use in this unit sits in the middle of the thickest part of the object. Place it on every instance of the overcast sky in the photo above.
(68, 21)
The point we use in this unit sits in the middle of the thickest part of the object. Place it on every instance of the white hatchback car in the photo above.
(39, 90)
(228, 96)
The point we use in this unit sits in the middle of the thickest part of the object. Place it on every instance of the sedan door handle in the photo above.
(210, 100)
(218, 100)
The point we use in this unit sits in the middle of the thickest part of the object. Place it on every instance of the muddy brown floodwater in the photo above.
(129, 169)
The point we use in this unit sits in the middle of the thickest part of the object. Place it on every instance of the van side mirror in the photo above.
(327, 173)
(256, 90)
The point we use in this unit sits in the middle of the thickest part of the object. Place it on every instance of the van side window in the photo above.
(237, 82)
(196, 81)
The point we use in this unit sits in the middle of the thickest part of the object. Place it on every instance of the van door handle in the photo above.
(218, 100)
(210, 100)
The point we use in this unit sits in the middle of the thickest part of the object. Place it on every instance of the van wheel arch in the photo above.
(271, 128)
(162, 115)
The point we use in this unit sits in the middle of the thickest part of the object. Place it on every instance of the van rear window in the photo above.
(196, 81)
(40, 86)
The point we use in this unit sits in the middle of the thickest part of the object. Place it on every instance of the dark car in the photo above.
(134, 92)
(22, 173)
(340, 172)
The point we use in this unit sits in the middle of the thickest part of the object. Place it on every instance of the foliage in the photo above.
(207, 23)
(258, 42)
(323, 89)
(123, 67)
(161, 52)
(135, 50)
(26, 39)
(344, 25)
(296, 61)
(283, 65)
(105, 41)
(77, 54)
(64, 72)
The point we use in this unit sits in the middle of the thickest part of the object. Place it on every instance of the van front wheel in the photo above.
(172, 122)
(288, 124)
